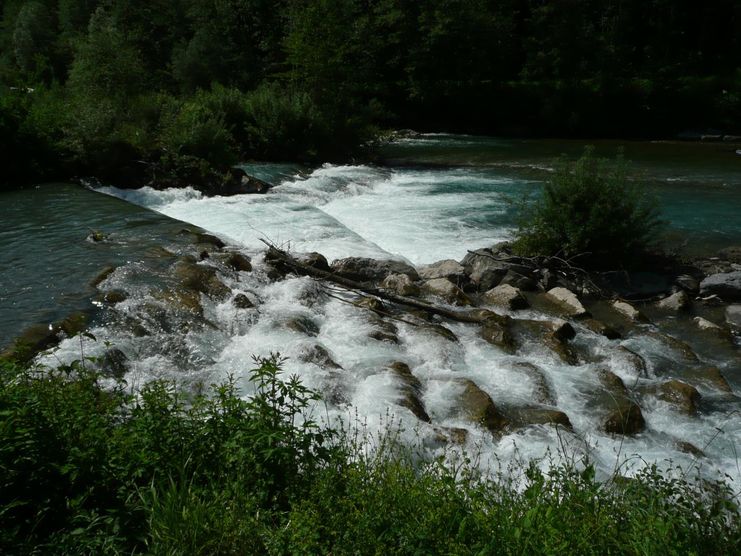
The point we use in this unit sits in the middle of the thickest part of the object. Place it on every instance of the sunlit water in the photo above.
(411, 210)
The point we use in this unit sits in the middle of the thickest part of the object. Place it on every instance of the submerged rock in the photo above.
(542, 391)
(496, 332)
(241, 301)
(319, 356)
(623, 415)
(114, 363)
(238, 261)
(102, 276)
(520, 417)
(302, 325)
(201, 278)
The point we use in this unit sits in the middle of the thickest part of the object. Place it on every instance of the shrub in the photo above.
(591, 210)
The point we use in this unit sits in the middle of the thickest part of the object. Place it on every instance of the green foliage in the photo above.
(589, 209)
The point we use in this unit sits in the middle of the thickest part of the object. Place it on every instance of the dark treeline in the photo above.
(90, 87)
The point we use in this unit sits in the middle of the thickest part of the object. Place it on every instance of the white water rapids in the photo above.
(420, 216)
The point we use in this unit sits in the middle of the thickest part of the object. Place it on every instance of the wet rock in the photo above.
(521, 417)
(401, 284)
(612, 382)
(726, 285)
(31, 342)
(241, 301)
(498, 334)
(441, 330)
(707, 376)
(314, 260)
(599, 327)
(302, 325)
(202, 238)
(384, 332)
(731, 254)
(483, 271)
(552, 334)
(675, 344)
(179, 299)
(362, 269)
(411, 390)
(680, 394)
(704, 324)
(628, 311)
(238, 261)
(626, 418)
(114, 363)
(480, 315)
(96, 236)
(562, 330)
(505, 296)
(447, 435)
(159, 252)
(448, 268)
(675, 303)
(635, 361)
(201, 278)
(478, 407)
(319, 356)
(102, 275)
(372, 303)
(542, 391)
(733, 316)
(445, 289)
(112, 297)
(567, 302)
(689, 448)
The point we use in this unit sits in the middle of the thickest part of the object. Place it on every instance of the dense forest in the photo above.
(122, 89)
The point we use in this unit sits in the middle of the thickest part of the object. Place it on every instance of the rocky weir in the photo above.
(507, 357)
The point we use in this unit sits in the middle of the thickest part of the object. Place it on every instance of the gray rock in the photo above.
(478, 407)
(241, 301)
(568, 302)
(447, 290)
(401, 284)
(448, 268)
(519, 281)
(704, 324)
(506, 296)
(362, 269)
(314, 260)
(727, 285)
(484, 272)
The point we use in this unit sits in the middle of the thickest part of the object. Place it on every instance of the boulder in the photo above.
(447, 435)
(448, 268)
(202, 238)
(707, 376)
(411, 390)
(478, 407)
(519, 281)
(567, 302)
(733, 316)
(542, 391)
(302, 325)
(114, 363)
(483, 271)
(498, 334)
(319, 356)
(636, 362)
(552, 334)
(625, 418)
(384, 331)
(628, 311)
(688, 283)
(689, 448)
(371, 303)
(314, 260)
(679, 394)
(400, 284)
(675, 303)
(704, 324)
(238, 261)
(505, 296)
(447, 290)
(521, 417)
(179, 299)
(201, 278)
(241, 301)
(441, 330)
(726, 285)
(362, 269)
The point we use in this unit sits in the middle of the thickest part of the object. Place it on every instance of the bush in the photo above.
(591, 210)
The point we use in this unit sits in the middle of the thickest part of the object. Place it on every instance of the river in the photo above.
(435, 197)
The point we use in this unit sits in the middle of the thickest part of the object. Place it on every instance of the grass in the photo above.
(88, 469)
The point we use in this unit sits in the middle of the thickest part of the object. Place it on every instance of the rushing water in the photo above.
(436, 198)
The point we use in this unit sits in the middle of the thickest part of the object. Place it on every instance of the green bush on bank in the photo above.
(589, 209)
(88, 469)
